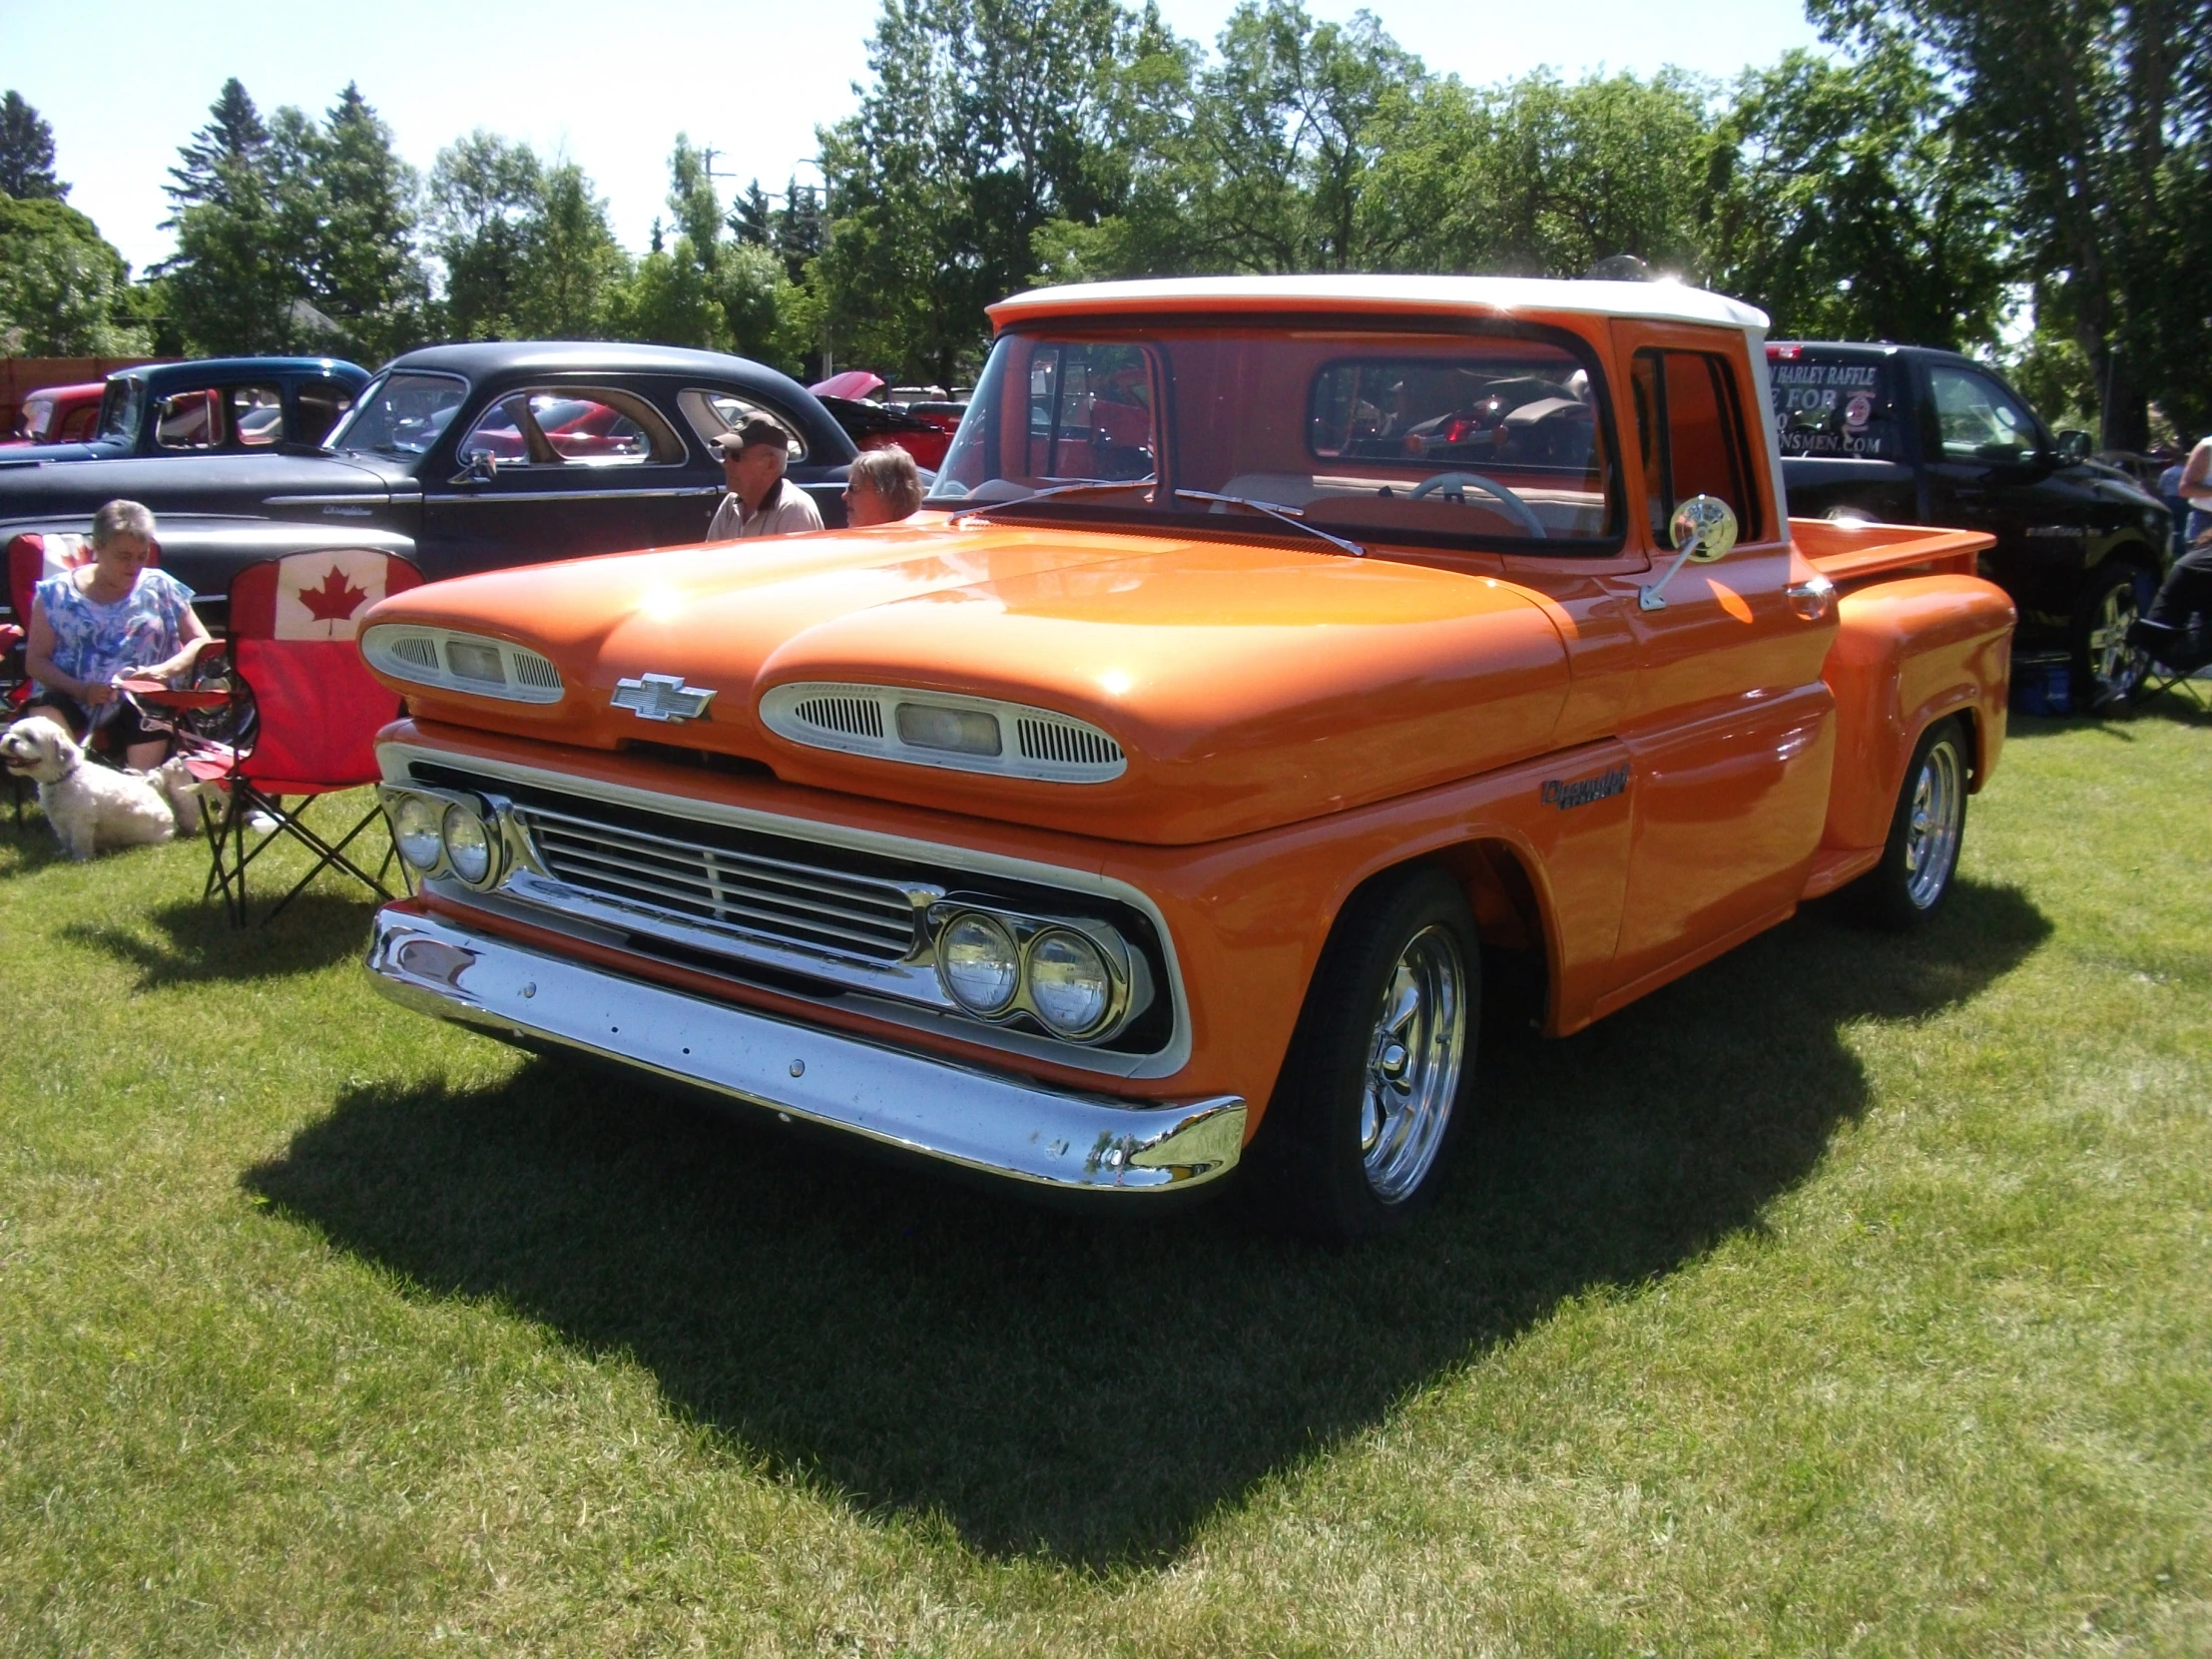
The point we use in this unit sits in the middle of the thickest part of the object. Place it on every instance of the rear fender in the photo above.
(1906, 654)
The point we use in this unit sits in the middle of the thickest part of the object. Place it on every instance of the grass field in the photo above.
(1854, 1294)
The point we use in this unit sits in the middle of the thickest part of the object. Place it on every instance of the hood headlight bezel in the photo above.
(421, 655)
(882, 721)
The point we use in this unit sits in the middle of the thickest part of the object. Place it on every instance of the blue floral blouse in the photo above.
(95, 642)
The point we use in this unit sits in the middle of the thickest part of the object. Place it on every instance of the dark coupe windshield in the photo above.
(399, 415)
(1431, 437)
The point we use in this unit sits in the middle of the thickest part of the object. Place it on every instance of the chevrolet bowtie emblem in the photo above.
(661, 697)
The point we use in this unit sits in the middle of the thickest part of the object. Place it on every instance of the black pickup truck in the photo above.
(1907, 434)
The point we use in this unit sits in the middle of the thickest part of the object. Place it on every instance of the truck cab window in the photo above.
(1689, 422)
(1978, 419)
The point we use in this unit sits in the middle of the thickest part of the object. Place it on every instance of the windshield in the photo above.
(119, 408)
(399, 415)
(1490, 436)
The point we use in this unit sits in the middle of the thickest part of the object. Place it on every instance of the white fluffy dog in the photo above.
(94, 807)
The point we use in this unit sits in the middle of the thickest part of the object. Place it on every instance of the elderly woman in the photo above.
(882, 487)
(108, 620)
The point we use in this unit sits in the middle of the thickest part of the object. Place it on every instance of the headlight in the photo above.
(415, 830)
(980, 963)
(1070, 986)
(467, 844)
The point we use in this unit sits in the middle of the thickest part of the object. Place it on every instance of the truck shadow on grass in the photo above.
(1090, 1388)
(192, 942)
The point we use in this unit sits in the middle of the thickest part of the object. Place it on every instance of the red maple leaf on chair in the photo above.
(334, 600)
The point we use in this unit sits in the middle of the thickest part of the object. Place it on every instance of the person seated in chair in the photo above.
(108, 620)
(2177, 630)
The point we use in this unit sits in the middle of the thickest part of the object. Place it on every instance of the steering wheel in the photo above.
(1515, 508)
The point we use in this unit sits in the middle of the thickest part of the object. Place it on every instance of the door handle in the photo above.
(1812, 598)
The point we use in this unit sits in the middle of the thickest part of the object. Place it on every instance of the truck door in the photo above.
(1730, 729)
(1987, 469)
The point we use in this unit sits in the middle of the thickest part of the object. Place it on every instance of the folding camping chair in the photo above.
(304, 711)
(2173, 656)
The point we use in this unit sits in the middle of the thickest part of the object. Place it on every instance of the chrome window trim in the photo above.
(397, 758)
(679, 453)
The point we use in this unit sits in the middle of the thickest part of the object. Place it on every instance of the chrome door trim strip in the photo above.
(672, 493)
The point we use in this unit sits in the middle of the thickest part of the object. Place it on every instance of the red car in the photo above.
(58, 415)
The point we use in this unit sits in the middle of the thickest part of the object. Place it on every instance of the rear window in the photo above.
(1838, 408)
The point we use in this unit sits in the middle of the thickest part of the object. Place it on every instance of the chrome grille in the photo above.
(722, 890)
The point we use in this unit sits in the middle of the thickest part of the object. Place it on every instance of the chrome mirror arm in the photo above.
(1704, 527)
(1647, 598)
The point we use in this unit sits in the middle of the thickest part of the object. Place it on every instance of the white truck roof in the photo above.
(1663, 301)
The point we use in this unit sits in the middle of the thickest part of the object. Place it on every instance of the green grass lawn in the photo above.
(1854, 1294)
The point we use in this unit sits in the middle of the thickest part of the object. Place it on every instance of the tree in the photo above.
(27, 154)
(2097, 114)
(750, 217)
(1842, 201)
(364, 273)
(291, 235)
(572, 268)
(483, 193)
(64, 292)
(799, 232)
(231, 284)
(987, 121)
(1289, 131)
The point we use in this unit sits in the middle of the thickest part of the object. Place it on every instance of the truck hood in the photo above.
(1250, 686)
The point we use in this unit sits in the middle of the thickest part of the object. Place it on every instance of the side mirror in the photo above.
(1705, 529)
(482, 469)
(2074, 446)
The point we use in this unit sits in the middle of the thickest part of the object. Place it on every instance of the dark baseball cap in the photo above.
(752, 430)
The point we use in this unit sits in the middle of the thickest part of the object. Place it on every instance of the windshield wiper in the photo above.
(1057, 489)
(1291, 517)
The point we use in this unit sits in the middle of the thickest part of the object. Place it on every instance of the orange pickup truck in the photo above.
(1275, 659)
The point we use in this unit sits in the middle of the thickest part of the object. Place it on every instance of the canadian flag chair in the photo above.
(312, 713)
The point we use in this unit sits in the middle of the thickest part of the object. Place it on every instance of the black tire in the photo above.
(1351, 1148)
(1920, 860)
(2108, 669)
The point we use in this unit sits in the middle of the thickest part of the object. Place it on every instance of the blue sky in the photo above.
(123, 82)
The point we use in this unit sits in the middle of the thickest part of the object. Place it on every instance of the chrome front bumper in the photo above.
(981, 1120)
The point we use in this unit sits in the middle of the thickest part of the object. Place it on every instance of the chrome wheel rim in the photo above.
(1414, 1055)
(2115, 664)
(1931, 835)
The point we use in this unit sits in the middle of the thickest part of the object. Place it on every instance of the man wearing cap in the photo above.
(761, 501)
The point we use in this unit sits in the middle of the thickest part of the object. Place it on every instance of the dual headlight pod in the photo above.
(1078, 979)
(455, 834)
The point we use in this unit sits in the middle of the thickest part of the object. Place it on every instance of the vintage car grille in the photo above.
(718, 886)
(811, 918)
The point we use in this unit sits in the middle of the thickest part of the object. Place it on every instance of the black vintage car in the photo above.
(466, 458)
(210, 406)
(1907, 434)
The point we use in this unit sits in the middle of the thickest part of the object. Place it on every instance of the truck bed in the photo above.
(1850, 552)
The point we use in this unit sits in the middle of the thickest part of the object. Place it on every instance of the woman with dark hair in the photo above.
(115, 618)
